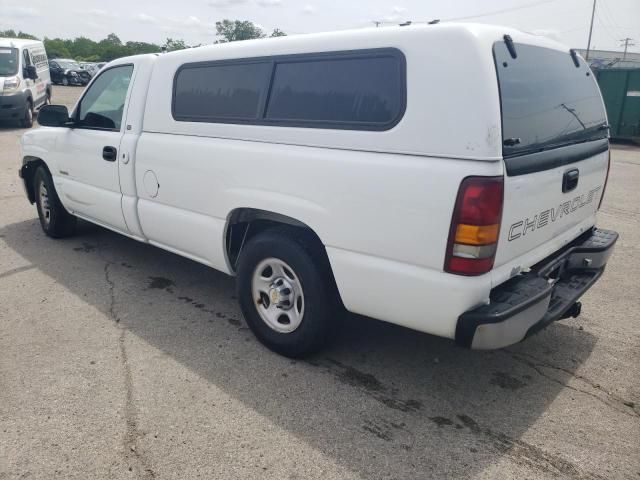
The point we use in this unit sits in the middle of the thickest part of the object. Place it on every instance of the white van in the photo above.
(445, 178)
(25, 82)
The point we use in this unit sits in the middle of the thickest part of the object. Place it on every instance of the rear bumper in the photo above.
(529, 302)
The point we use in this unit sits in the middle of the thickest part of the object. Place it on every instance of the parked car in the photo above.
(24, 79)
(362, 170)
(92, 68)
(68, 72)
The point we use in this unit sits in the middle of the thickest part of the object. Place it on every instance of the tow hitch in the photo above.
(574, 311)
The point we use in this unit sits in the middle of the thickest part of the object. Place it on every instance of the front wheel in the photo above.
(286, 292)
(55, 221)
(27, 119)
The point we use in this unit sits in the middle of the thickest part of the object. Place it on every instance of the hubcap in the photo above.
(277, 293)
(45, 207)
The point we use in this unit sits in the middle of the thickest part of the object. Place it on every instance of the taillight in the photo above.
(475, 226)
(606, 178)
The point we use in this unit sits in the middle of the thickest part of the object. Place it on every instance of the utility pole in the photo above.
(377, 23)
(627, 43)
(593, 14)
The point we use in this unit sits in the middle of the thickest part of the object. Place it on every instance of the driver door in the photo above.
(89, 151)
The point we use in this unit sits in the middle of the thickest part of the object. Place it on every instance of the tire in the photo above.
(312, 307)
(47, 100)
(55, 221)
(27, 120)
(65, 81)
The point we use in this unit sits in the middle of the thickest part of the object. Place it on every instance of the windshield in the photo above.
(68, 65)
(8, 61)
(547, 101)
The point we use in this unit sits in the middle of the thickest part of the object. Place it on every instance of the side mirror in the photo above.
(54, 116)
(31, 72)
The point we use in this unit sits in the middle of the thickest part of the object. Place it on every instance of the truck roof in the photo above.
(18, 42)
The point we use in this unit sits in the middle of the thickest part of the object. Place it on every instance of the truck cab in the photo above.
(25, 82)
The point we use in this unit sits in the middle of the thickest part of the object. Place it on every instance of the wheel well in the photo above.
(245, 223)
(29, 167)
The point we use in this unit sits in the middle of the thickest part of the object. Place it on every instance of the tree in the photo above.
(235, 30)
(56, 48)
(278, 33)
(137, 48)
(82, 48)
(111, 48)
(13, 34)
(113, 39)
(173, 45)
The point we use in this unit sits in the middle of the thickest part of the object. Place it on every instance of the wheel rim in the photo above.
(278, 296)
(45, 206)
(65, 81)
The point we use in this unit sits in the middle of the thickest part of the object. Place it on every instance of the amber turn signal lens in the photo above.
(476, 234)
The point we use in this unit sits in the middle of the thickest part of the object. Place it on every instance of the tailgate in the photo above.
(537, 210)
(555, 150)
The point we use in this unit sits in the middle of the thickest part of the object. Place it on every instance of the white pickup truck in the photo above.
(445, 178)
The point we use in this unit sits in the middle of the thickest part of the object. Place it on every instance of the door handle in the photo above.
(110, 154)
(570, 180)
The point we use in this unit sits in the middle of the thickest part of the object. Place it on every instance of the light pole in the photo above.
(593, 14)
(627, 44)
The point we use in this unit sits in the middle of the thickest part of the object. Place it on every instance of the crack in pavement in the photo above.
(134, 457)
(8, 273)
(628, 407)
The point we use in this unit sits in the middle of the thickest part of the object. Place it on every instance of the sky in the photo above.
(194, 20)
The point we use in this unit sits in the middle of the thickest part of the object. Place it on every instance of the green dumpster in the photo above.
(621, 92)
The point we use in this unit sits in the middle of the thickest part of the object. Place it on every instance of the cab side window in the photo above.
(103, 104)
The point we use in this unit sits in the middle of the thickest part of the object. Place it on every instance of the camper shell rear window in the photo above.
(547, 102)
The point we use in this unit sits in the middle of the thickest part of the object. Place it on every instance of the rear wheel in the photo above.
(286, 292)
(55, 221)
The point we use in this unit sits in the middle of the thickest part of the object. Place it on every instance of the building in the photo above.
(611, 59)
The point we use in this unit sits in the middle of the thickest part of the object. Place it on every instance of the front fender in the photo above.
(36, 148)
